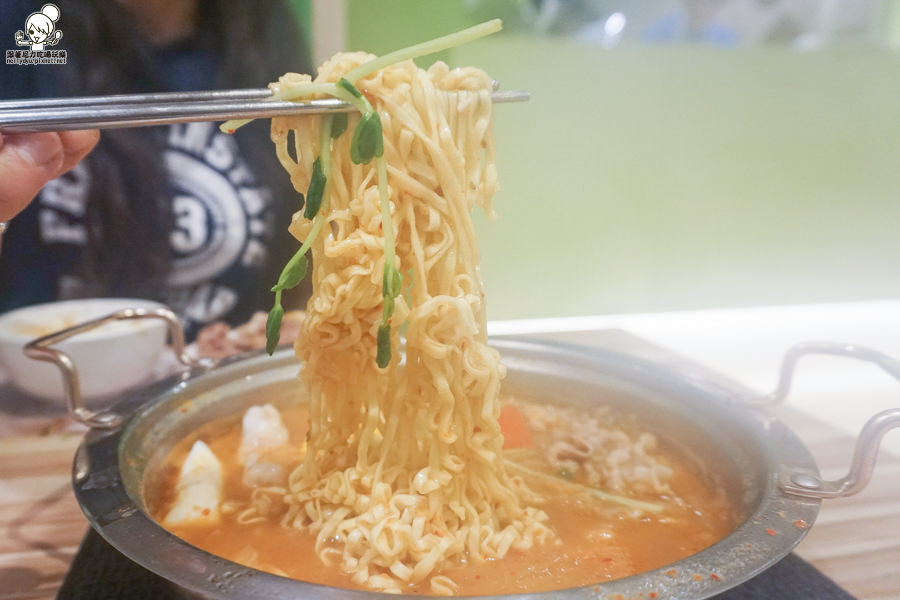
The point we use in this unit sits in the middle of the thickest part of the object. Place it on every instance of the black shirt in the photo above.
(223, 215)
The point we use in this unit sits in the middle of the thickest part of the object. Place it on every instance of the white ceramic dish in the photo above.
(109, 359)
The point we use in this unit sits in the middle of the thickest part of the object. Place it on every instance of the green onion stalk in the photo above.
(367, 144)
(316, 204)
(650, 507)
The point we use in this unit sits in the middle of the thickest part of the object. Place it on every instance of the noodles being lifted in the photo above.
(404, 467)
(411, 475)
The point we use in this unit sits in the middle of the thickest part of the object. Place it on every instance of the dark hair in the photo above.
(130, 208)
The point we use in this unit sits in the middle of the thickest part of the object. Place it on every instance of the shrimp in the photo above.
(265, 449)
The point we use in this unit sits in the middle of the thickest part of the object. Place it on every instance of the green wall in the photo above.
(653, 178)
(381, 26)
(303, 11)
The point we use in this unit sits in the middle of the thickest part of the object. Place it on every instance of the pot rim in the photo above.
(761, 540)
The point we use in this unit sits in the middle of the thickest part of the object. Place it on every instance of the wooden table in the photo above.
(856, 541)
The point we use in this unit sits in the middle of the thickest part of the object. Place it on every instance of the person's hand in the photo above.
(29, 160)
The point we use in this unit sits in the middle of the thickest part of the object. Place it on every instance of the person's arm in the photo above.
(29, 160)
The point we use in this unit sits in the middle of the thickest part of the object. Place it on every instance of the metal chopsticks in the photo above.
(141, 110)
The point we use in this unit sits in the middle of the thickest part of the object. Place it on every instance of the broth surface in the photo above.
(596, 540)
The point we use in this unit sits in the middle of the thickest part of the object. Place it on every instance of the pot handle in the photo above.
(810, 485)
(40, 349)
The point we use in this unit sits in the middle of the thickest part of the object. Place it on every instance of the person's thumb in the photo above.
(27, 162)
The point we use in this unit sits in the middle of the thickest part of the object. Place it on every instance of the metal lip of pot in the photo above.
(707, 417)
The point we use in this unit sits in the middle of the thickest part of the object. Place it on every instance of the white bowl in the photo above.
(109, 359)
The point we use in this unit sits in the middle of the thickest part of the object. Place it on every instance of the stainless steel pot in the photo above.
(770, 476)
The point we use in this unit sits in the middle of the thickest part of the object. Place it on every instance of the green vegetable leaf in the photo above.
(273, 326)
(367, 142)
(293, 273)
(338, 125)
(383, 357)
(387, 308)
(315, 191)
(391, 284)
(349, 87)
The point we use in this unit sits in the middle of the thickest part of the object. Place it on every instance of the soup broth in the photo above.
(656, 507)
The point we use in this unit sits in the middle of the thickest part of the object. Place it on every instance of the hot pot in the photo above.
(769, 475)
